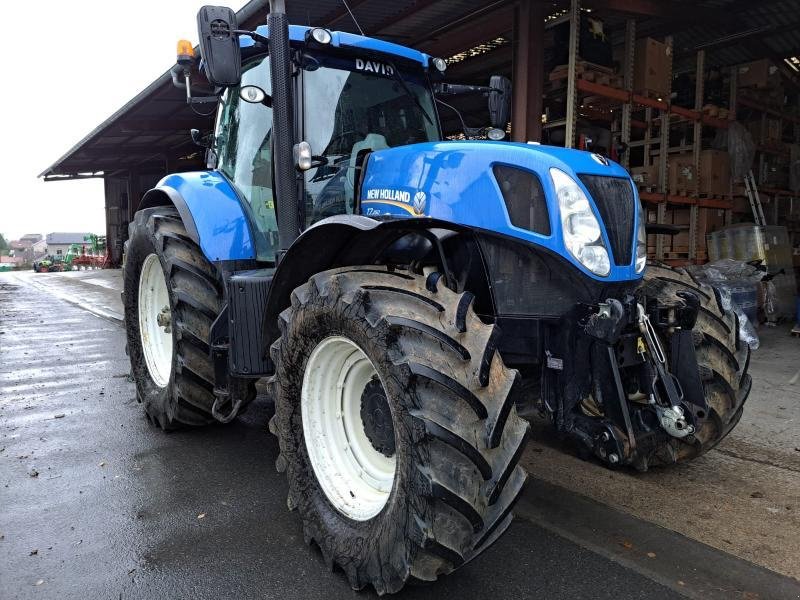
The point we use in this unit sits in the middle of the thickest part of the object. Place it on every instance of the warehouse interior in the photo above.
(699, 100)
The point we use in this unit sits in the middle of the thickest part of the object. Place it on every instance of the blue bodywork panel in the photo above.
(453, 181)
(342, 39)
(217, 215)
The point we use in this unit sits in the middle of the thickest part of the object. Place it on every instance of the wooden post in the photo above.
(528, 67)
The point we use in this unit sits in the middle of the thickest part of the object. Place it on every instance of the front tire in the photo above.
(456, 437)
(723, 360)
(168, 321)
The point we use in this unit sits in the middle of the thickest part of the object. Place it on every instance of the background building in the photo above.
(59, 242)
(29, 247)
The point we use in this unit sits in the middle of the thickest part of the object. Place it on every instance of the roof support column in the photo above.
(572, 75)
(528, 71)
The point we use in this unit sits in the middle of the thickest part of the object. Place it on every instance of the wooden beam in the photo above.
(666, 9)
(163, 125)
(470, 35)
(412, 10)
(528, 72)
(467, 31)
(342, 12)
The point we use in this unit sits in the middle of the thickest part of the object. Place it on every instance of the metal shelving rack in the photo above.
(667, 115)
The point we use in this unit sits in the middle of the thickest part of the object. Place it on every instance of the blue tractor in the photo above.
(407, 298)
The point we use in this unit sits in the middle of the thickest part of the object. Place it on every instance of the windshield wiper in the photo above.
(407, 90)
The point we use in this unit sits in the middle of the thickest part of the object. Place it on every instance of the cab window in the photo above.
(243, 146)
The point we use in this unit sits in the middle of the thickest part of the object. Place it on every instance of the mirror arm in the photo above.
(257, 37)
(176, 71)
(451, 89)
(199, 140)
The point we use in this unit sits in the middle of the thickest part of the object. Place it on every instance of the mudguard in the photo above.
(211, 212)
(347, 240)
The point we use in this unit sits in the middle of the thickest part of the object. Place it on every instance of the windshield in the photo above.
(352, 106)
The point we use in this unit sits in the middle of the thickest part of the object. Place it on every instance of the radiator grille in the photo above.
(613, 197)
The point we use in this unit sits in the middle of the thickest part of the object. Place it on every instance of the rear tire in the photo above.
(722, 357)
(457, 436)
(184, 393)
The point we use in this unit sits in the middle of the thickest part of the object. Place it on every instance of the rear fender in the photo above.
(211, 212)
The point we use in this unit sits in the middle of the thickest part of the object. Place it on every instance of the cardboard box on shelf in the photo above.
(678, 242)
(759, 74)
(708, 221)
(650, 71)
(682, 178)
(678, 215)
(646, 176)
(715, 173)
(773, 131)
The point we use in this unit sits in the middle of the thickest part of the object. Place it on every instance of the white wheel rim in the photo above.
(356, 478)
(155, 327)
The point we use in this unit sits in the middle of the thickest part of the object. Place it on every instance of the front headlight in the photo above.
(582, 234)
(641, 242)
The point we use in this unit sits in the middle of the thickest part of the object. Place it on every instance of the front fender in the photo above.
(211, 212)
(337, 241)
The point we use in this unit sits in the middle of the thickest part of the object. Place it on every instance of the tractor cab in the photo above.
(346, 105)
(350, 96)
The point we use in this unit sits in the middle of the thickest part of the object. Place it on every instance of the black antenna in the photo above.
(352, 16)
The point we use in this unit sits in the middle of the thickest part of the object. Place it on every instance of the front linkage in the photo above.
(609, 384)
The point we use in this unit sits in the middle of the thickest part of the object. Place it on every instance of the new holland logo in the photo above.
(420, 200)
(601, 159)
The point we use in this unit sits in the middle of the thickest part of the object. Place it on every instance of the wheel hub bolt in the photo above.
(164, 319)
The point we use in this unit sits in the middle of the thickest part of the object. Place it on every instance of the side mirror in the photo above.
(198, 138)
(255, 95)
(499, 101)
(219, 45)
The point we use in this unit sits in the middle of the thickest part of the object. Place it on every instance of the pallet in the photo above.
(707, 196)
(588, 71)
(580, 67)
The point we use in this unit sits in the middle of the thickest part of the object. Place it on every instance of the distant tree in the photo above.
(3, 245)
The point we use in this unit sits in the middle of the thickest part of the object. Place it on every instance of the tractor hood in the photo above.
(486, 185)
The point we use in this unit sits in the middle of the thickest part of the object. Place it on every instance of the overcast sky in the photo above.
(66, 68)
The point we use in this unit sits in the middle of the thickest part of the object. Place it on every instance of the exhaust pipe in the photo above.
(288, 213)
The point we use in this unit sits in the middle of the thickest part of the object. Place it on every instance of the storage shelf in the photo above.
(765, 108)
(626, 96)
(777, 192)
(772, 150)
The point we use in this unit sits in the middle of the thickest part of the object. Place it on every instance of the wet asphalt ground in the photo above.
(97, 503)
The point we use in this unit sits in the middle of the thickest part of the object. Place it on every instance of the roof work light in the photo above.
(319, 35)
